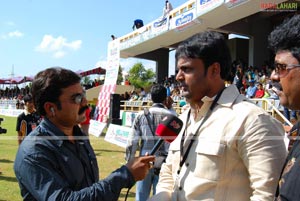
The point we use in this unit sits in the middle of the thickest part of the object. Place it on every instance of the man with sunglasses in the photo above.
(56, 160)
(285, 42)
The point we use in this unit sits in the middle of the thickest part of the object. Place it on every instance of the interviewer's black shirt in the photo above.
(49, 167)
(289, 183)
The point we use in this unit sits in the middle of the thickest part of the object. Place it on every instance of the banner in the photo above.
(234, 3)
(96, 128)
(128, 118)
(183, 21)
(109, 87)
(204, 6)
(159, 26)
(117, 135)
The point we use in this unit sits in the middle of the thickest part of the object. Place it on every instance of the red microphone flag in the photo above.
(169, 128)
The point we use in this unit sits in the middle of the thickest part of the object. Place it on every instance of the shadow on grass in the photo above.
(5, 161)
(10, 179)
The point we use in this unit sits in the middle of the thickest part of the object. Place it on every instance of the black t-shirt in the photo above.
(289, 183)
(26, 123)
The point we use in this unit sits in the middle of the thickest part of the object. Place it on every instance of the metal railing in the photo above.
(270, 105)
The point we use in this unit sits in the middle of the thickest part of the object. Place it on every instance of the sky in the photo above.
(37, 34)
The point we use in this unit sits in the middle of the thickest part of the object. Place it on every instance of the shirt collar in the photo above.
(57, 136)
(226, 99)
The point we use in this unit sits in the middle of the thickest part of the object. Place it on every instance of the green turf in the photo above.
(109, 156)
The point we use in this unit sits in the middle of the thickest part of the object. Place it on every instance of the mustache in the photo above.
(83, 109)
(182, 84)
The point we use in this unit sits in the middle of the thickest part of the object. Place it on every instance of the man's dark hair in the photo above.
(158, 93)
(27, 98)
(287, 37)
(208, 46)
(47, 86)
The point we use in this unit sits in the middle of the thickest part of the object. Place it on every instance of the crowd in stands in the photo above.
(251, 81)
(247, 80)
(94, 83)
(15, 95)
(173, 93)
(255, 82)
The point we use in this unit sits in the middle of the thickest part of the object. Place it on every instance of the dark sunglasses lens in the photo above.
(281, 66)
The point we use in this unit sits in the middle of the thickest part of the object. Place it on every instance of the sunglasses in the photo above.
(283, 69)
(78, 98)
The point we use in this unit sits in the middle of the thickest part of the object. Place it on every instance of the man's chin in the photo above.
(282, 98)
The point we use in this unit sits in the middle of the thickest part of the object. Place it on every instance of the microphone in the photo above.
(167, 130)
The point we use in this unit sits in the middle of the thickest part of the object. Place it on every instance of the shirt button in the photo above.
(180, 188)
(187, 164)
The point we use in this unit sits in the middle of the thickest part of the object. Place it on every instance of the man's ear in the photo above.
(214, 70)
(49, 108)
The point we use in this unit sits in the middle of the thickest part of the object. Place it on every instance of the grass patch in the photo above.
(109, 157)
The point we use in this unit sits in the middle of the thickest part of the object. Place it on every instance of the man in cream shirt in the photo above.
(228, 149)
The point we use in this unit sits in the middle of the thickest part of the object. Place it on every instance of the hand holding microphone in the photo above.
(139, 166)
(167, 130)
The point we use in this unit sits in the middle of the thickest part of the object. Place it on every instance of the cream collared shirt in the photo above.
(238, 155)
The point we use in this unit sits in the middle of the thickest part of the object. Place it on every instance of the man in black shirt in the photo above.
(56, 160)
(285, 42)
(27, 120)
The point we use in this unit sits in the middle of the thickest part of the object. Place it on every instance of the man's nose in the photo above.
(179, 76)
(274, 76)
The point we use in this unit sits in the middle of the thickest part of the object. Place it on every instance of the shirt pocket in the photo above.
(210, 160)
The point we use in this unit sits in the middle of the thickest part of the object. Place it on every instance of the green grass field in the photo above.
(109, 156)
